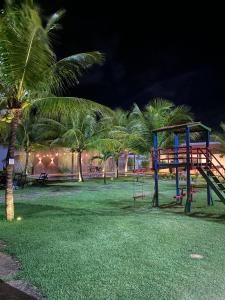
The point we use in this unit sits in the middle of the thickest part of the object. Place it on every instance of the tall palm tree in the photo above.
(30, 74)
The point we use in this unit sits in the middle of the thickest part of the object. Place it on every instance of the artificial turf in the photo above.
(88, 241)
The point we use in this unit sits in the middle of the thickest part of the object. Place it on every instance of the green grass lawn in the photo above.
(87, 241)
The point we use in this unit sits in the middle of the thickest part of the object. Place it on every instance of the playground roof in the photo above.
(194, 127)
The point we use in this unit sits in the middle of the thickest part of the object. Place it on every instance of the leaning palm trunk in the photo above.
(26, 163)
(79, 163)
(116, 167)
(9, 168)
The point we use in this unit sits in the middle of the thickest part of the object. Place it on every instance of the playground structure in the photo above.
(188, 158)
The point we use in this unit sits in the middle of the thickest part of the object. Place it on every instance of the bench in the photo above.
(43, 178)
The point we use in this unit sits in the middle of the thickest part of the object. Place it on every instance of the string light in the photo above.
(52, 157)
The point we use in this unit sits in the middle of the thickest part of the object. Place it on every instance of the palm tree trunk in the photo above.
(126, 162)
(104, 171)
(79, 163)
(134, 162)
(72, 161)
(116, 167)
(9, 168)
(26, 163)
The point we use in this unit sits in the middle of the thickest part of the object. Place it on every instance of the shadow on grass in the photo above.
(45, 211)
(171, 205)
(212, 217)
(177, 209)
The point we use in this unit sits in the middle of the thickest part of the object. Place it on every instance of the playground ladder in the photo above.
(217, 186)
(213, 180)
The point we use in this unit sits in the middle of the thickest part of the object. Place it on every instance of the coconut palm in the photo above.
(75, 133)
(115, 135)
(26, 138)
(30, 74)
(158, 113)
(220, 137)
(104, 155)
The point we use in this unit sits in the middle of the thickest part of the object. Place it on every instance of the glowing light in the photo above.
(57, 154)
(39, 160)
(19, 218)
(47, 155)
(52, 162)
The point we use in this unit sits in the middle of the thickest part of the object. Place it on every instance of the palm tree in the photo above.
(103, 156)
(158, 113)
(115, 135)
(30, 74)
(76, 133)
(220, 137)
(26, 138)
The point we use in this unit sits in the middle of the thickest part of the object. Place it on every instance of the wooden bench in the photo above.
(43, 178)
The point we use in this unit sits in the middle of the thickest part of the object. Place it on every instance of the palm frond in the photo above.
(52, 23)
(25, 51)
(67, 106)
(67, 72)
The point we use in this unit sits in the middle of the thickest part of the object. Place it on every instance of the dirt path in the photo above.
(13, 289)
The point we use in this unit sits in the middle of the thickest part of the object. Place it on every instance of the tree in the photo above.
(158, 113)
(75, 132)
(30, 74)
(26, 138)
(104, 156)
(220, 137)
(115, 135)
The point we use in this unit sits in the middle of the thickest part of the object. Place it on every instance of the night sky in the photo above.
(178, 57)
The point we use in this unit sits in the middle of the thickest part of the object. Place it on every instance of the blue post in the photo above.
(188, 201)
(156, 170)
(176, 148)
(209, 195)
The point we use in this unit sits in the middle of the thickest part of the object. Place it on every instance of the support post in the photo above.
(209, 195)
(188, 201)
(176, 148)
(155, 153)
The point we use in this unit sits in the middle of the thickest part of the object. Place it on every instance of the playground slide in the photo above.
(217, 186)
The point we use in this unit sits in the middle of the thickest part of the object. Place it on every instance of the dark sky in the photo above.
(179, 56)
